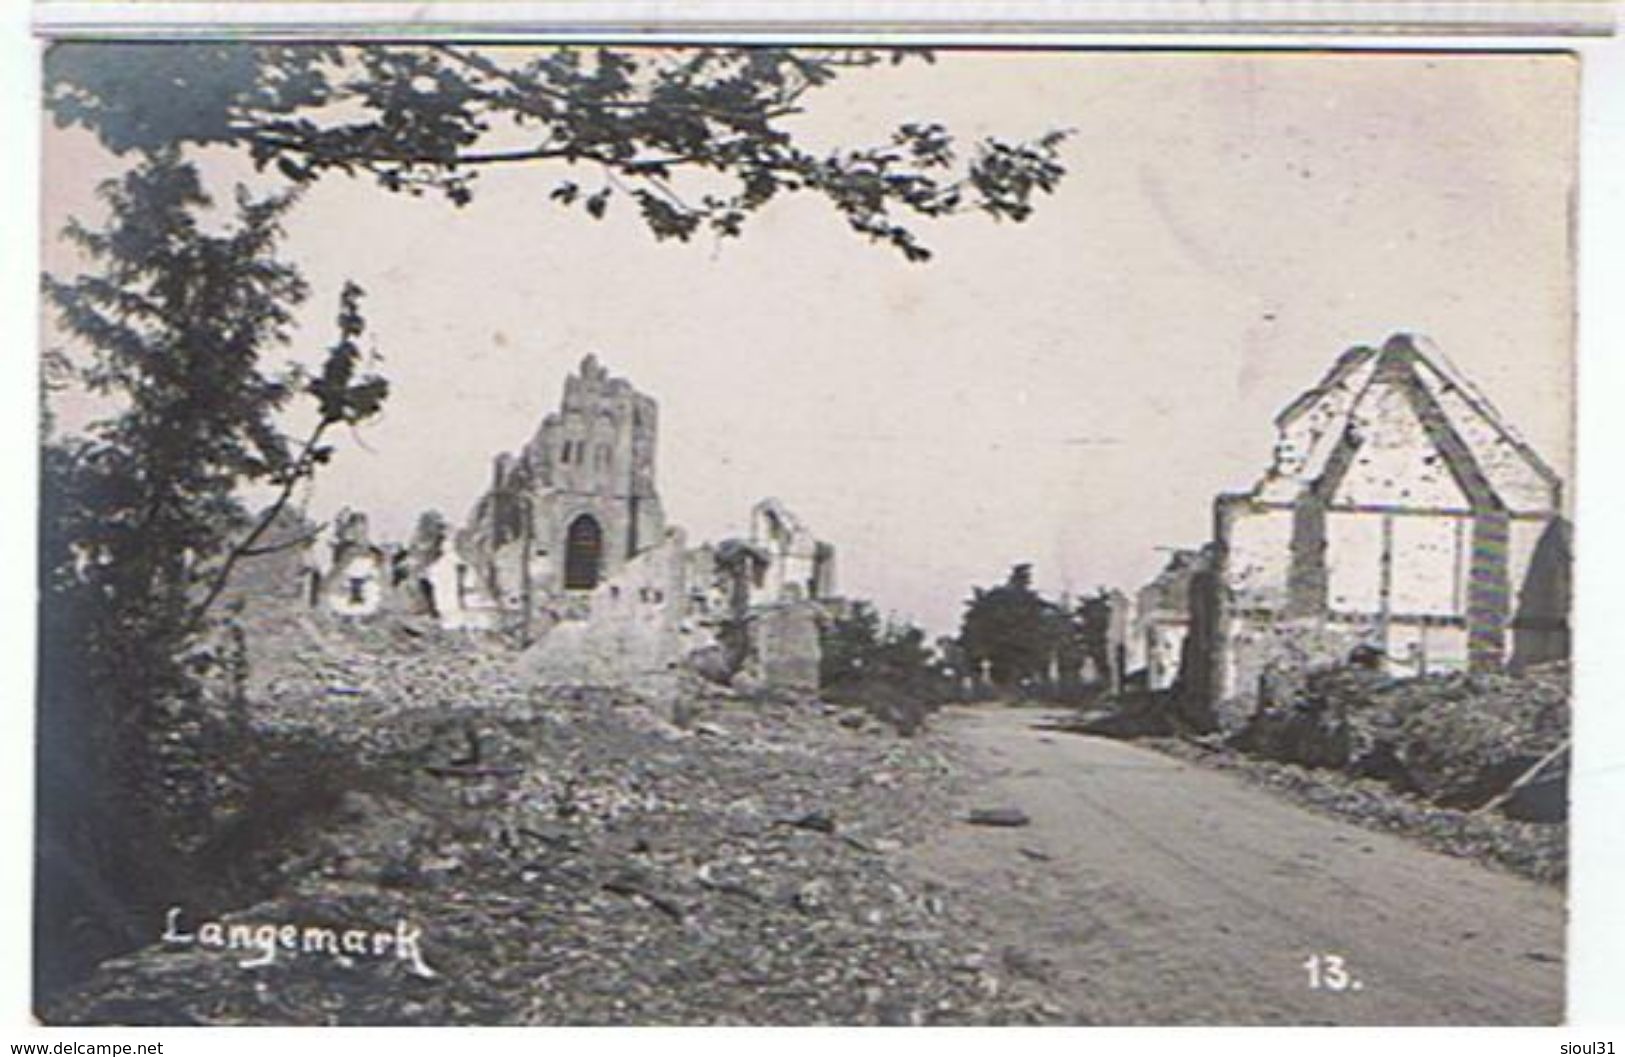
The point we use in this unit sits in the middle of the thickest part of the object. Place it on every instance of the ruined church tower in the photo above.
(581, 495)
(594, 461)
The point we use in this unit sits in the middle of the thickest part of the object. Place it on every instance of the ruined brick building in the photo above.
(1400, 513)
(796, 564)
(1162, 618)
(350, 575)
(568, 551)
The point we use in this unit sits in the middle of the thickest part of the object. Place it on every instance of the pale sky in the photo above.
(1071, 392)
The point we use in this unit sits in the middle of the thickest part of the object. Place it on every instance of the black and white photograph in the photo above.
(617, 533)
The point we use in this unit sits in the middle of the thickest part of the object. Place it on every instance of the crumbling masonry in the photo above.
(1401, 515)
(569, 551)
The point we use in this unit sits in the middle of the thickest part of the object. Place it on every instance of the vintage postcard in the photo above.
(740, 534)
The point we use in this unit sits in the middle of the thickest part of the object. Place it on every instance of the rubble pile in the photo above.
(1467, 737)
(577, 854)
(1136, 714)
(1456, 740)
(1535, 850)
(1475, 765)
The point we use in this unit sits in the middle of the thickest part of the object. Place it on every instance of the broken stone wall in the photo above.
(1540, 628)
(1119, 621)
(799, 565)
(461, 599)
(1162, 620)
(784, 647)
(348, 575)
(635, 624)
(1164, 645)
(355, 586)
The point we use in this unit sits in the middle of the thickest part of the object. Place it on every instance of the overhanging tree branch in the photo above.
(430, 118)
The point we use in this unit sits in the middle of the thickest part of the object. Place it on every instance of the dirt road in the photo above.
(1150, 890)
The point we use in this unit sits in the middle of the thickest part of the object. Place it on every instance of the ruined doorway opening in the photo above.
(583, 553)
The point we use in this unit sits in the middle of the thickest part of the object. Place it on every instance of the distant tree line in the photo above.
(1014, 639)
(1011, 641)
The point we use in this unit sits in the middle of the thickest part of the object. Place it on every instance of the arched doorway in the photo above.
(583, 553)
